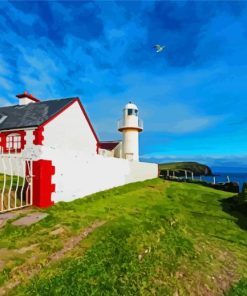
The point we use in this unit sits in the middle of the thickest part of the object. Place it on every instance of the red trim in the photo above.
(3, 136)
(88, 120)
(38, 135)
(27, 95)
(108, 145)
(42, 186)
(84, 113)
(58, 113)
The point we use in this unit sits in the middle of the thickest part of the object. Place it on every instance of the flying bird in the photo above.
(159, 48)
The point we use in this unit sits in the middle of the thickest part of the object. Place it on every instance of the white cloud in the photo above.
(161, 105)
(4, 102)
(192, 124)
(5, 84)
(4, 67)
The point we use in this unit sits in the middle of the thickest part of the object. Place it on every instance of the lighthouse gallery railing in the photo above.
(123, 124)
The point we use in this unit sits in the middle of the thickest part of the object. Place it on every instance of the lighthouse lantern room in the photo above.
(130, 126)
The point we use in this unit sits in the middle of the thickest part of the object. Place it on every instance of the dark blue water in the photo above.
(222, 177)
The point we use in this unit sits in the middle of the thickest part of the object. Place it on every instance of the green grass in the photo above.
(240, 289)
(159, 238)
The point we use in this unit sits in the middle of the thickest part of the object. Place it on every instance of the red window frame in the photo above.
(4, 142)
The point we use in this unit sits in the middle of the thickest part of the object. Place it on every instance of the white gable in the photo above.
(70, 130)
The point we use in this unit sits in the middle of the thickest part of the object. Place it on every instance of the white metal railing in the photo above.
(16, 182)
(125, 124)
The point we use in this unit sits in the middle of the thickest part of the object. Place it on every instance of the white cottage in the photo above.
(59, 144)
(52, 123)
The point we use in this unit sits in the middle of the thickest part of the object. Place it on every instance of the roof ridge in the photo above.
(45, 101)
(33, 114)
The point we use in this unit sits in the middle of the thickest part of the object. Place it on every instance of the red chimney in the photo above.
(26, 98)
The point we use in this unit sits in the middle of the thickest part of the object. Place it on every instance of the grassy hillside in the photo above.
(195, 167)
(159, 238)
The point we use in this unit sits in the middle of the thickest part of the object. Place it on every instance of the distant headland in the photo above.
(197, 168)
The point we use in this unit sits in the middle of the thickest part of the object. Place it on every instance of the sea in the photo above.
(239, 176)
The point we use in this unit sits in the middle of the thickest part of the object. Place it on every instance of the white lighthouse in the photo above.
(130, 126)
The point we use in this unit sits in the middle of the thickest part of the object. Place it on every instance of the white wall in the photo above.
(106, 153)
(78, 174)
(139, 171)
(70, 130)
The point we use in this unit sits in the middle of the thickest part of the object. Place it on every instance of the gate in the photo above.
(16, 181)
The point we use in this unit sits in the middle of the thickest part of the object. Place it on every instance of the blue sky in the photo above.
(192, 96)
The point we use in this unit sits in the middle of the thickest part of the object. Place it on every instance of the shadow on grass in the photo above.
(239, 210)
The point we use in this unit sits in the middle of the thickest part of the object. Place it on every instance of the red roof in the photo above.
(108, 145)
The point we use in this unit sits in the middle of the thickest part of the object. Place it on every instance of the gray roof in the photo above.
(30, 115)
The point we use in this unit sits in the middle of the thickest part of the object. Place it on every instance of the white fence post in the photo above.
(14, 193)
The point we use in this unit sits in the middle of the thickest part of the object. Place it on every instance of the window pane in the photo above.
(132, 112)
(13, 141)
